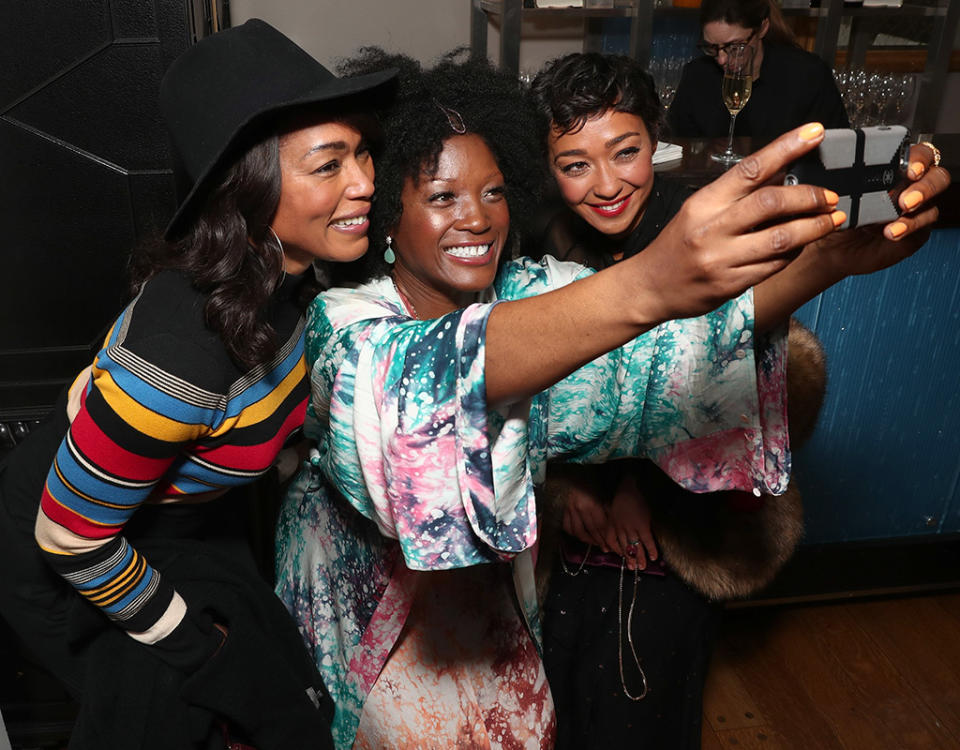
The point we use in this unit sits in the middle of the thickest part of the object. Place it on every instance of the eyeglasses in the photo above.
(714, 50)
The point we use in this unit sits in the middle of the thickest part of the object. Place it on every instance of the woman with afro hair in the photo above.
(444, 374)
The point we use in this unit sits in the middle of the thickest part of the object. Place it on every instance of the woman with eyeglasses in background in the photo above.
(791, 86)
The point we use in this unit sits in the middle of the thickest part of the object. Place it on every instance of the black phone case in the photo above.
(865, 167)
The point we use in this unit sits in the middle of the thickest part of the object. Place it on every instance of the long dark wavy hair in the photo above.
(230, 254)
(456, 96)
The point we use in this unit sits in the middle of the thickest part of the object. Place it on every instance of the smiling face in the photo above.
(326, 188)
(604, 171)
(453, 228)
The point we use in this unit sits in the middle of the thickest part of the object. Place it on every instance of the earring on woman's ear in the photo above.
(283, 270)
(388, 255)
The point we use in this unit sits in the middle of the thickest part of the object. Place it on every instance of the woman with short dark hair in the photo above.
(600, 123)
(601, 118)
(576, 95)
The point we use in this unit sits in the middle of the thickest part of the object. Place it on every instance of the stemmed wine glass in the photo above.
(737, 86)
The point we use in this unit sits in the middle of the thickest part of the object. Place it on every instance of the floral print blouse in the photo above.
(413, 471)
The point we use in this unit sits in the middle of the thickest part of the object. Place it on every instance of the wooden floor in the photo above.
(855, 675)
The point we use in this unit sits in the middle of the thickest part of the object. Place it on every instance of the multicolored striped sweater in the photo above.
(165, 416)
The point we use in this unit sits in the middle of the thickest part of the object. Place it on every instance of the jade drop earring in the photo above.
(388, 255)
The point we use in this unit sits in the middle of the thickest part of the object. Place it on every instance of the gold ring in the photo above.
(936, 152)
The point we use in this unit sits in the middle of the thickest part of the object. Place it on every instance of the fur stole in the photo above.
(726, 545)
(731, 546)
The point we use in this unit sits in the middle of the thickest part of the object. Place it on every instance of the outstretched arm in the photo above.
(709, 253)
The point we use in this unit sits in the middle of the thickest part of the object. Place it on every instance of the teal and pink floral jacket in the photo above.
(412, 470)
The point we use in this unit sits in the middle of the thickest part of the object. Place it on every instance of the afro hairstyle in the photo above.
(456, 96)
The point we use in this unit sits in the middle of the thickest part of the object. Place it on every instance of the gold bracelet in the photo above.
(936, 152)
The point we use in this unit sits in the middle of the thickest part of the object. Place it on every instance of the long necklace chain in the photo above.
(583, 561)
(633, 650)
(405, 300)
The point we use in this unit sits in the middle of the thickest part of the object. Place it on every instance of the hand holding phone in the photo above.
(866, 167)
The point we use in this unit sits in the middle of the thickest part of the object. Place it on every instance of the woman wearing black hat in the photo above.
(122, 496)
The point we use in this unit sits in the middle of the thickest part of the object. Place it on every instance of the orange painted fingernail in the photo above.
(917, 168)
(811, 131)
(831, 197)
(912, 199)
(838, 217)
(897, 228)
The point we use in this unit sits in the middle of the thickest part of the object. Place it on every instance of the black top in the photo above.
(794, 87)
(580, 613)
(568, 237)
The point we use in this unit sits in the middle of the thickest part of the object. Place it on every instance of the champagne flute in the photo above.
(737, 87)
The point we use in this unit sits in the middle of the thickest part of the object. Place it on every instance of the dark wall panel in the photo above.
(85, 164)
(152, 200)
(105, 107)
(41, 39)
(65, 250)
(136, 18)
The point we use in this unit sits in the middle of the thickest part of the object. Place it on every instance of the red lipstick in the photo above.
(607, 210)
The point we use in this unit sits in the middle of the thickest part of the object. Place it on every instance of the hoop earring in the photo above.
(388, 255)
(283, 270)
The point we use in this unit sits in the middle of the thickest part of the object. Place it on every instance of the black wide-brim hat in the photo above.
(228, 85)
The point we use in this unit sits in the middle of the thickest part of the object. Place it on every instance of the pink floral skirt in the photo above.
(464, 674)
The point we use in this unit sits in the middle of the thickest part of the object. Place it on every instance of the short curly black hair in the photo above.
(456, 96)
(570, 90)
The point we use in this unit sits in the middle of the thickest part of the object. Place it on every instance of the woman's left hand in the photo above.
(872, 248)
(826, 261)
(584, 515)
(628, 525)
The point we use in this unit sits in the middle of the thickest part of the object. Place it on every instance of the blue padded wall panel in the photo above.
(885, 457)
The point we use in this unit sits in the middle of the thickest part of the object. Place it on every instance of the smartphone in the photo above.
(866, 167)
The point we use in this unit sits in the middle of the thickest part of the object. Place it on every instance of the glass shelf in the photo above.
(829, 17)
(496, 7)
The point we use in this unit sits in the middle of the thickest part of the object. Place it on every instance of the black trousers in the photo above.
(262, 681)
(34, 600)
(674, 629)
